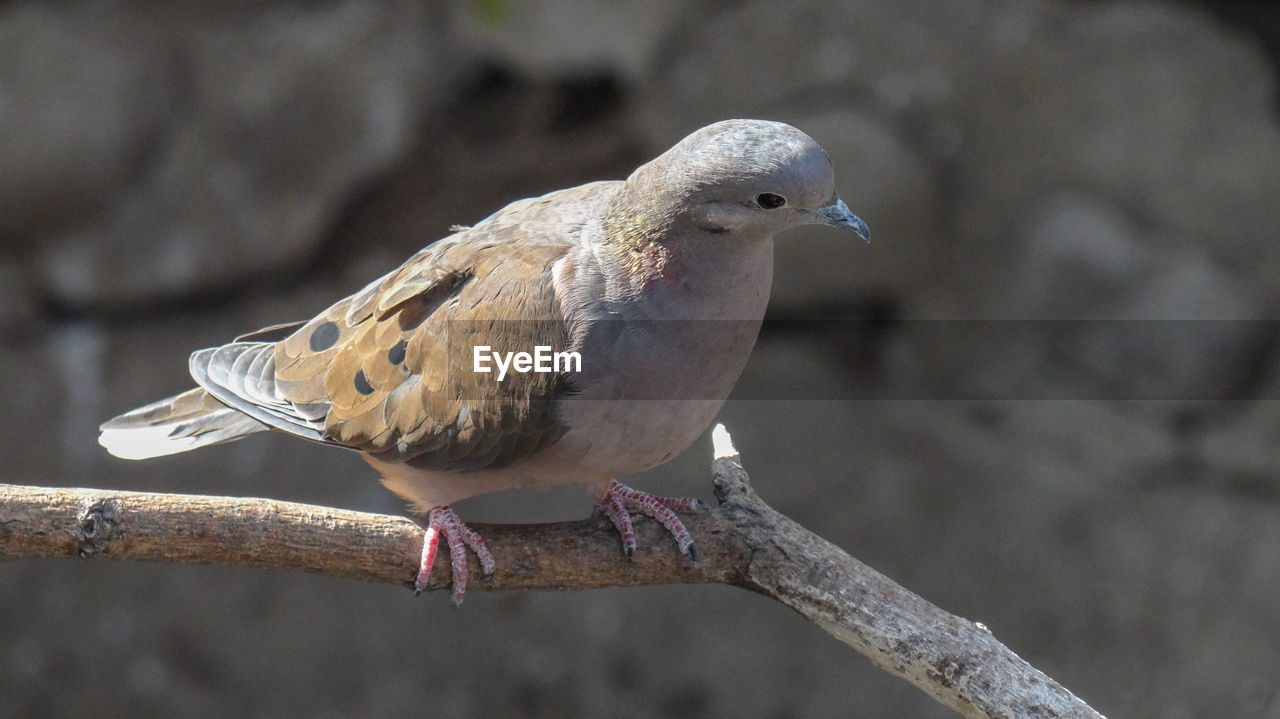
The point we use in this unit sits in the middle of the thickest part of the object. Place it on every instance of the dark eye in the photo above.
(770, 201)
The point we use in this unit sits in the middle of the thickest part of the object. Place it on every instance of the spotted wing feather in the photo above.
(394, 362)
(389, 370)
(396, 365)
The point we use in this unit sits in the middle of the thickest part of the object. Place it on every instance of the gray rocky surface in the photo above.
(1045, 396)
(157, 152)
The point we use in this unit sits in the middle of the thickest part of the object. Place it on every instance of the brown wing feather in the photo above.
(395, 362)
(389, 370)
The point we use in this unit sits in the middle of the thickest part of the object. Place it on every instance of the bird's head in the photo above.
(746, 177)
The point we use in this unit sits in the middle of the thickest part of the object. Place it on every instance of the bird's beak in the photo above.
(837, 214)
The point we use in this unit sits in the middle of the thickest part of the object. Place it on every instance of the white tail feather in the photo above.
(182, 422)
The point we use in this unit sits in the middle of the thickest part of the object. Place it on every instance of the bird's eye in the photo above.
(770, 201)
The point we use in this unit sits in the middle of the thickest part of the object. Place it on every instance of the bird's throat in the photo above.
(635, 248)
(655, 265)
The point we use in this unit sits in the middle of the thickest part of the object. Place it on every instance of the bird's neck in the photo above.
(641, 244)
(654, 262)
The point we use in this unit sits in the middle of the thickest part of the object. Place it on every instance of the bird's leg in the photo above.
(458, 536)
(619, 501)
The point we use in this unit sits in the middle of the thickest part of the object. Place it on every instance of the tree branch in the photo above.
(742, 542)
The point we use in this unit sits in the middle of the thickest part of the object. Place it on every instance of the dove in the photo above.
(650, 289)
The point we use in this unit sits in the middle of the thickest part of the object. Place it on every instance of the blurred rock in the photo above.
(86, 94)
(17, 309)
(1147, 104)
(749, 60)
(548, 39)
(1238, 448)
(1126, 315)
(282, 113)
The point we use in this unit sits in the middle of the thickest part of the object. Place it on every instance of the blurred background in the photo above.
(1044, 398)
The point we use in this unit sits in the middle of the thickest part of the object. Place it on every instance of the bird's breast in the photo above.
(657, 365)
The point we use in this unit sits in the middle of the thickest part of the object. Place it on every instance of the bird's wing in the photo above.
(391, 369)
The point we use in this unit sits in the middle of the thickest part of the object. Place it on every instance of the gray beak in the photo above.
(837, 214)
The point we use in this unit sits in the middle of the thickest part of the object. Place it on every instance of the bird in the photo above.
(652, 291)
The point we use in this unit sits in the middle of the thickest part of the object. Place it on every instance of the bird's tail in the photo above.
(177, 424)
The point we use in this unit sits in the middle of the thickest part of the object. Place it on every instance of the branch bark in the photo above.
(742, 542)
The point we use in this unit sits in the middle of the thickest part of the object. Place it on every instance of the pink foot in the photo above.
(620, 500)
(458, 536)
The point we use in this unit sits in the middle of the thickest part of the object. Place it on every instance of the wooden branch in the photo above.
(742, 542)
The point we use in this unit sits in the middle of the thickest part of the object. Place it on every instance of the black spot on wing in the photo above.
(324, 336)
(395, 355)
(362, 384)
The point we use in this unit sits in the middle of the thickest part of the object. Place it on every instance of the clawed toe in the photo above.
(458, 537)
(619, 501)
(617, 504)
